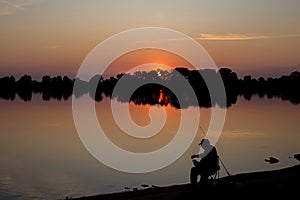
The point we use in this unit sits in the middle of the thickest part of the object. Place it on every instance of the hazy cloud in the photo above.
(8, 7)
(242, 36)
(148, 41)
(54, 46)
(224, 37)
(54, 125)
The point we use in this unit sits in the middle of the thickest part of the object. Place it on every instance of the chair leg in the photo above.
(214, 177)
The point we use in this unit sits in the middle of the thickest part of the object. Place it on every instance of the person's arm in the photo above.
(197, 155)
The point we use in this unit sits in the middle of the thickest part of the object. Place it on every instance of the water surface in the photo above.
(42, 157)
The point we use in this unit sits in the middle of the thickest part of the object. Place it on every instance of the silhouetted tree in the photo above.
(158, 92)
(7, 88)
(24, 87)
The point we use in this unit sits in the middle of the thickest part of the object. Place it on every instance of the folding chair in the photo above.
(214, 175)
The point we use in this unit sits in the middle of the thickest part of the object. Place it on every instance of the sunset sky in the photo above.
(257, 37)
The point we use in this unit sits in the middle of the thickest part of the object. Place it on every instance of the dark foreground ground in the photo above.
(282, 183)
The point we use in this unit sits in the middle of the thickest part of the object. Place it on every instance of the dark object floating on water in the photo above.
(272, 160)
(297, 156)
(145, 185)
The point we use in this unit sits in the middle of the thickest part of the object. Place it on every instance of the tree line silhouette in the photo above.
(156, 92)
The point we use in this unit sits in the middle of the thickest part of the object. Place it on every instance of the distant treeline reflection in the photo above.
(61, 88)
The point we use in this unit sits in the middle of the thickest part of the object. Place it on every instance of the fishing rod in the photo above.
(219, 156)
(224, 167)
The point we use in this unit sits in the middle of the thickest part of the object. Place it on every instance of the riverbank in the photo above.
(269, 184)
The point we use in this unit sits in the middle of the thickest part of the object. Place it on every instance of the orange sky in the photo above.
(139, 57)
(256, 37)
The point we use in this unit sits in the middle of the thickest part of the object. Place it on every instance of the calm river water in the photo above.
(42, 157)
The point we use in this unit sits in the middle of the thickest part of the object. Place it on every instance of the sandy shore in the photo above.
(268, 184)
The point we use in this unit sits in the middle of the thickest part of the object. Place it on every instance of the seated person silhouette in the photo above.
(208, 164)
